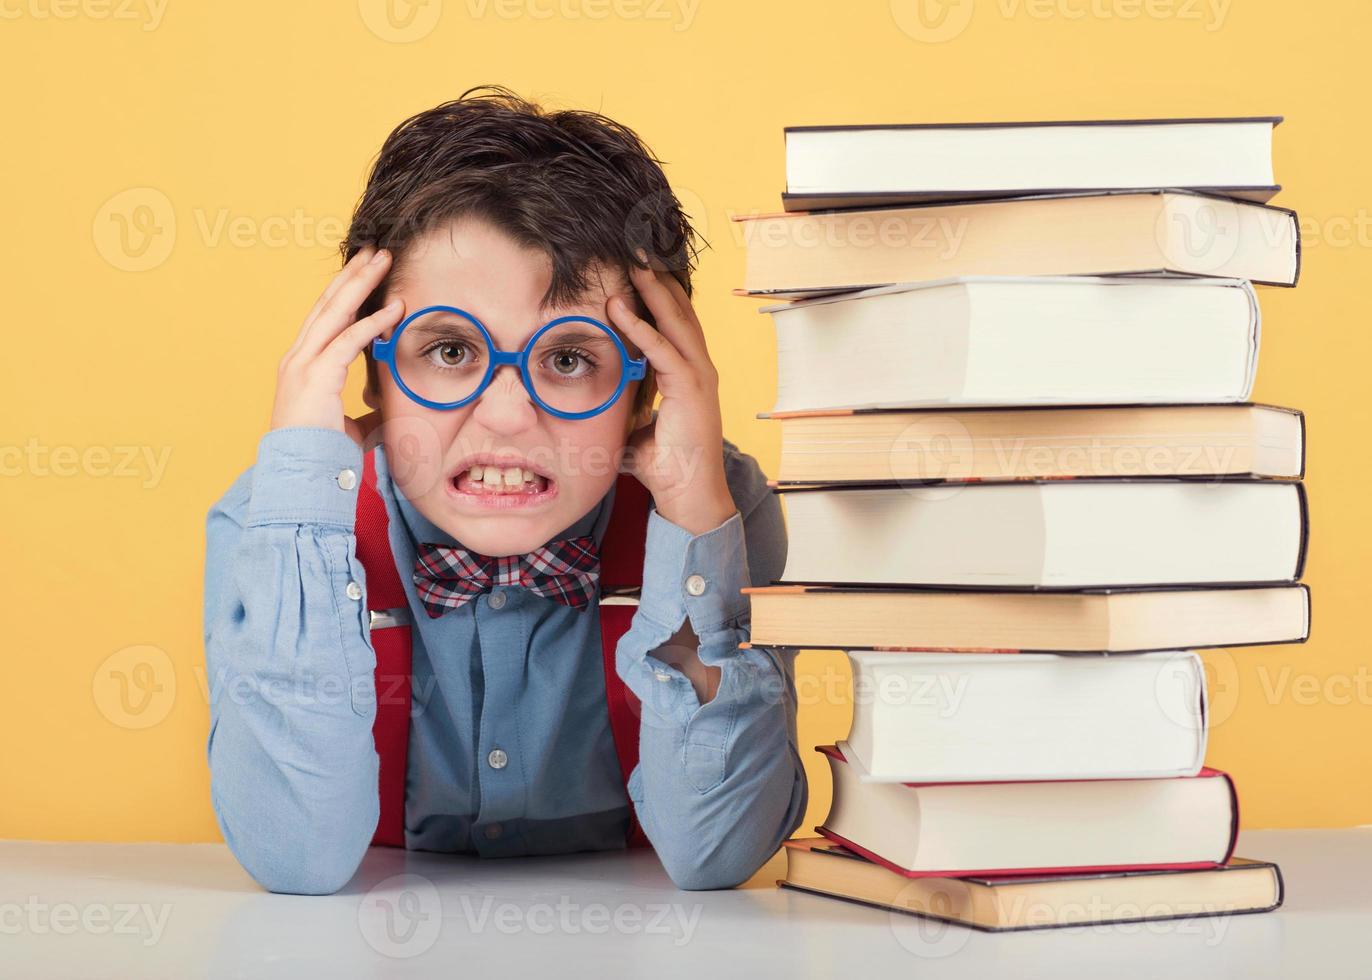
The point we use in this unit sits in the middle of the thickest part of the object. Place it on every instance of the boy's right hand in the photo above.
(311, 375)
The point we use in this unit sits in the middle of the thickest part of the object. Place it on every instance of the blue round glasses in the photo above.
(573, 367)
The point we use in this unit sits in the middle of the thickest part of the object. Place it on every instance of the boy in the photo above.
(499, 478)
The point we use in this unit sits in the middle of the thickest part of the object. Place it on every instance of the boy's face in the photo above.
(474, 266)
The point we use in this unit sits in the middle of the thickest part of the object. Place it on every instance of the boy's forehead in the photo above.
(476, 267)
(483, 263)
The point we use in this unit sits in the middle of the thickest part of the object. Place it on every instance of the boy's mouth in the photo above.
(500, 479)
(502, 482)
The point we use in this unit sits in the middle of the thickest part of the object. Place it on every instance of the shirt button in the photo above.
(493, 830)
(496, 600)
(497, 759)
(662, 676)
(347, 479)
(695, 585)
(354, 591)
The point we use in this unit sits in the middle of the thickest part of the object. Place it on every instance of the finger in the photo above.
(340, 309)
(360, 258)
(683, 330)
(648, 281)
(661, 353)
(675, 287)
(345, 348)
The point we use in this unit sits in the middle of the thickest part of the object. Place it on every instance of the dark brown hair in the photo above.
(577, 185)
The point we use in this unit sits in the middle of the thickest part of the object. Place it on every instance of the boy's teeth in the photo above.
(500, 478)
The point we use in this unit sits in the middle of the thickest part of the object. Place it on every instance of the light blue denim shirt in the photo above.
(292, 697)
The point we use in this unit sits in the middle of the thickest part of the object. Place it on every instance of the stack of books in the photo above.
(1023, 484)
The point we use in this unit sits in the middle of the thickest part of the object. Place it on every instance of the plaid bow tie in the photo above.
(448, 577)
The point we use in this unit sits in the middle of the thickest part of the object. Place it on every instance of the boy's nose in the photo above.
(505, 406)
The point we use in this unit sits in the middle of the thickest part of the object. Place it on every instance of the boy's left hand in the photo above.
(679, 456)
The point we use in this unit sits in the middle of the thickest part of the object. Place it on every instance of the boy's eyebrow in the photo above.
(443, 324)
(439, 324)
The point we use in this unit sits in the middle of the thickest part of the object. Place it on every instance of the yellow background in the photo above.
(245, 129)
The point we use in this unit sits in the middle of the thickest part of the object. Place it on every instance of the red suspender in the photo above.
(390, 631)
(621, 569)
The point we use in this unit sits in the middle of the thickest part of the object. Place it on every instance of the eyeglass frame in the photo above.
(635, 369)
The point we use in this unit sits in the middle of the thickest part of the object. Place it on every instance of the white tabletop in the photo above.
(188, 910)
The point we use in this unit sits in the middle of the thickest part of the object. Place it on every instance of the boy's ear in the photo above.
(371, 391)
(643, 402)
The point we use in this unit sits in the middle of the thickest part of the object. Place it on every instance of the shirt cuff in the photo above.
(701, 576)
(305, 475)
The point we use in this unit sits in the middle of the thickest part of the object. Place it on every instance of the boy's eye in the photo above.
(569, 363)
(452, 353)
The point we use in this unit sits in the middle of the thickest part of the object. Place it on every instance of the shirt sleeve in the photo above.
(718, 786)
(293, 766)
